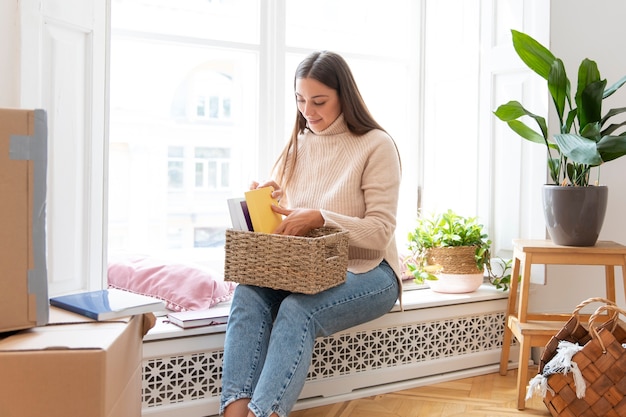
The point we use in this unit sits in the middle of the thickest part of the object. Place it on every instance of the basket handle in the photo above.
(332, 239)
(613, 308)
(588, 301)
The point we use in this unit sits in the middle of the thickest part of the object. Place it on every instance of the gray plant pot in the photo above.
(574, 215)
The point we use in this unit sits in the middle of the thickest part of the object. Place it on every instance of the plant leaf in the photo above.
(514, 110)
(578, 149)
(612, 147)
(587, 73)
(578, 174)
(612, 128)
(591, 131)
(590, 103)
(559, 88)
(571, 116)
(536, 56)
(526, 132)
(554, 166)
(611, 113)
(510, 111)
(614, 87)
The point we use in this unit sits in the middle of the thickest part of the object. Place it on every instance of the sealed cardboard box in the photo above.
(81, 369)
(23, 276)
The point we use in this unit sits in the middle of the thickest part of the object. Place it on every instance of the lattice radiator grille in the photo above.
(194, 376)
(181, 378)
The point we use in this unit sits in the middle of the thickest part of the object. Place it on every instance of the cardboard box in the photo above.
(23, 274)
(81, 369)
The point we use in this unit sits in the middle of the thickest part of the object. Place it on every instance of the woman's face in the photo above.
(318, 103)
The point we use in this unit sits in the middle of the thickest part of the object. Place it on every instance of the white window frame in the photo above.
(77, 249)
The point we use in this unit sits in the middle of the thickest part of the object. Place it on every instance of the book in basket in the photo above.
(254, 212)
(259, 202)
(303, 264)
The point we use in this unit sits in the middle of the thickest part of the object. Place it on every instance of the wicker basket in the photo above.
(303, 264)
(602, 362)
(454, 259)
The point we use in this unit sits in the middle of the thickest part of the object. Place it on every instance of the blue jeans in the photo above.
(271, 334)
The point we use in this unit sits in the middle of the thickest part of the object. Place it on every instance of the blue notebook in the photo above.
(107, 304)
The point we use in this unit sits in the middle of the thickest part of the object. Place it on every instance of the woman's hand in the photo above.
(277, 192)
(298, 222)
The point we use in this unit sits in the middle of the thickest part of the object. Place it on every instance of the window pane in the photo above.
(360, 26)
(225, 174)
(212, 174)
(228, 20)
(177, 124)
(199, 174)
(175, 174)
(184, 114)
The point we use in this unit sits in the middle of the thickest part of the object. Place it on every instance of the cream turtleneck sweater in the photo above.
(354, 181)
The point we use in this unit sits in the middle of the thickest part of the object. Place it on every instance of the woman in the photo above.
(340, 169)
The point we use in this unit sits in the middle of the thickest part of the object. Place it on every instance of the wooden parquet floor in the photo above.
(489, 395)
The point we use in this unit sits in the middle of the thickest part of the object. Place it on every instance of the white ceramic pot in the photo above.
(456, 283)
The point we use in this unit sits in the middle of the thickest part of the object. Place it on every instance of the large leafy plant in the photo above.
(585, 139)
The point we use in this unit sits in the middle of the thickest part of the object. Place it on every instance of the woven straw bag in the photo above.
(601, 360)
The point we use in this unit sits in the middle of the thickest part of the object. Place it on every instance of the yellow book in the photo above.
(260, 202)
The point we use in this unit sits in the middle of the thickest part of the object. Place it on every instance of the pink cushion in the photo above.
(182, 287)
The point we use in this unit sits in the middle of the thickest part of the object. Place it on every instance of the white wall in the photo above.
(598, 40)
(9, 54)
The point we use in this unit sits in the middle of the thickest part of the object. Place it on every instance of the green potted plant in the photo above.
(450, 251)
(585, 140)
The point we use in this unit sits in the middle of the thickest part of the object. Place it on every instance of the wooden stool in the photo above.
(536, 329)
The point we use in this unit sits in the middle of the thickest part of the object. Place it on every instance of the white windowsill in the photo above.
(413, 299)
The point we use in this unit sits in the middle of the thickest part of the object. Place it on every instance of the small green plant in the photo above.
(501, 280)
(441, 230)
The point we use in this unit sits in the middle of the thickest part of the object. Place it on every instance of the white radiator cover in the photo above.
(182, 374)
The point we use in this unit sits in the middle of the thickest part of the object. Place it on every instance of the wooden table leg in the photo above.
(609, 273)
(506, 350)
(522, 372)
(510, 309)
(623, 268)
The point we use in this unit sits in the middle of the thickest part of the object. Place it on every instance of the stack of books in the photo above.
(189, 319)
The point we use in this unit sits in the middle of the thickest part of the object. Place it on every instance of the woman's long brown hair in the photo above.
(333, 71)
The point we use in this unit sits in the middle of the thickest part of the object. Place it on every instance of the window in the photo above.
(183, 74)
(212, 167)
(201, 103)
(211, 92)
(175, 165)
